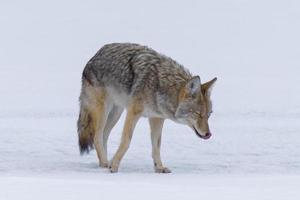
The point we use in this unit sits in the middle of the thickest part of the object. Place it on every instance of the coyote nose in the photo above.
(207, 135)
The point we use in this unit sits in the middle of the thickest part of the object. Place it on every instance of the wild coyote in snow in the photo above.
(146, 83)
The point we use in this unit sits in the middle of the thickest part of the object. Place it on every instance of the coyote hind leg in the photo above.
(113, 118)
(95, 100)
(103, 107)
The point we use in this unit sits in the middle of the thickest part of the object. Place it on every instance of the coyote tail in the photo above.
(85, 128)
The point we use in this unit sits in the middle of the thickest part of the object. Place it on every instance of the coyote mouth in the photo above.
(207, 135)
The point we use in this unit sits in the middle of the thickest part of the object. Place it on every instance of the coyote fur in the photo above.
(145, 83)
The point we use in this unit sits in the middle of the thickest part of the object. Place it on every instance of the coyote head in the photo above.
(195, 106)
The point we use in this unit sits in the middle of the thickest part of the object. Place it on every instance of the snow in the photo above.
(151, 187)
(253, 48)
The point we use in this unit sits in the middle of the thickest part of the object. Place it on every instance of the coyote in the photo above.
(146, 83)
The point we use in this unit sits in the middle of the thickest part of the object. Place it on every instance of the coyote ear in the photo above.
(193, 85)
(208, 86)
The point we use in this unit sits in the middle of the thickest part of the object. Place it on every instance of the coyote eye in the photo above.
(198, 114)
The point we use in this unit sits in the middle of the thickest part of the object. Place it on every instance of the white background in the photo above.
(253, 48)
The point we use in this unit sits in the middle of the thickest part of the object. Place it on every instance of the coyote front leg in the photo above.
(133, 114)
(156, 125)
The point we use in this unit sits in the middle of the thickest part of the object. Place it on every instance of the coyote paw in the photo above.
(103, 164)
(163, 170)
(113, 168)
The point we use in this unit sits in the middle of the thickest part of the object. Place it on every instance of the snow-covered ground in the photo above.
(253, 48)
(149, 186)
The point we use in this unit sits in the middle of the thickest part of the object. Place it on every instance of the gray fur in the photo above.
(146, 83)
(134, 68)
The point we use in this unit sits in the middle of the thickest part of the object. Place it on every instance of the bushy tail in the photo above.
(85, 129)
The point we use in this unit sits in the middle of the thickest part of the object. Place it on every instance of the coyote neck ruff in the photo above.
(145, 83)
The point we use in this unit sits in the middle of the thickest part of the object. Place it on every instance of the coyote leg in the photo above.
(133, 114)
(111, 121)
(100, 112)
(156, 125)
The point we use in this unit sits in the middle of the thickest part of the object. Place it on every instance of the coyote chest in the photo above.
(122, 99)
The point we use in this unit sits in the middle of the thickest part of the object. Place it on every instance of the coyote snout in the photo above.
(145, 83)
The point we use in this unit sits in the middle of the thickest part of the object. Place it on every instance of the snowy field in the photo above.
(253, 48)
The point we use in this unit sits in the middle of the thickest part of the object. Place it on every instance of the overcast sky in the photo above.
(252, 46)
